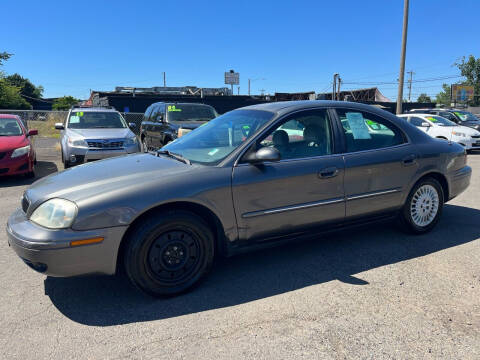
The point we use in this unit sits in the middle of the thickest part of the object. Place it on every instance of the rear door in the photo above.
(303, 190)
(379, 163)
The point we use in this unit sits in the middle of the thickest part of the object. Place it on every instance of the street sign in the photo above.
(462, 93)
(232, 78)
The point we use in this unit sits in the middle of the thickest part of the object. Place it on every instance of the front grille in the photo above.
(473, 137)
(25, 204)
(105, 144)
(2, 155)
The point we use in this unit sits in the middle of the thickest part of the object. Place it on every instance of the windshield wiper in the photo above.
(174, 156)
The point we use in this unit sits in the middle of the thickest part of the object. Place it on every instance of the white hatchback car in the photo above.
(441, 128)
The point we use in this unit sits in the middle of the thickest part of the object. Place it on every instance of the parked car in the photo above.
(93, 133)
(234, 184)
(441, 128)
(165, 122)
(460, 117)
(17, 154)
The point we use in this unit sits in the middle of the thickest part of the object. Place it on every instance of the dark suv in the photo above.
(164, 122)
(460, 117)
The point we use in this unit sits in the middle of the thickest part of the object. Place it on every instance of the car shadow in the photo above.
(42, 169)
(108, 301)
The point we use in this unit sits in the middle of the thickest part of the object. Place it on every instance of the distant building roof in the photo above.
(369, 94)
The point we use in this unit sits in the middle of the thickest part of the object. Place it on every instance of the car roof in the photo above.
(179, 103)
(93, 108)
(9, 116)
(287, 106)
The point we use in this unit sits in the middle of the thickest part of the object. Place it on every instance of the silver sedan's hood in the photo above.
(100, 133)
(106, 177)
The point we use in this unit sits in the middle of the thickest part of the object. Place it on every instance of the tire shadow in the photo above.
(108, 301)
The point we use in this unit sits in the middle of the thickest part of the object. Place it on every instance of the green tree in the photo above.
(4, 56)
(443, 97)
(424, 98)
(10, 97)
(26, 86)
(470, 69)
(64, 103)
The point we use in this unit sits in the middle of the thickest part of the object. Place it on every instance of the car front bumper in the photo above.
(84, 154)
(49, 251)
(21, 165)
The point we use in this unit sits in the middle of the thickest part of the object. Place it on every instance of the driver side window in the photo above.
(302, 135)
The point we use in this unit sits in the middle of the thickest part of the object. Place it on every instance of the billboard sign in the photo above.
(232, 78)
(462, 93)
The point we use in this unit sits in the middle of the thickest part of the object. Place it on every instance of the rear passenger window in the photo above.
(366, 131)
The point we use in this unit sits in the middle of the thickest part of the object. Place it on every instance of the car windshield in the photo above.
(441, 121)
(10, 127)
(96, 119)
(190, 112)
(466, 116)
(212, 142)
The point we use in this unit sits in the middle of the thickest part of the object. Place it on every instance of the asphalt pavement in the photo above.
(370, 293)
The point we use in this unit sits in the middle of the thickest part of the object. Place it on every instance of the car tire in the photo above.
(168, 253)
(423, 207)
(30, 174)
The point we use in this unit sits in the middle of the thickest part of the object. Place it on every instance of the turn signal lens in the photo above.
(86, 241)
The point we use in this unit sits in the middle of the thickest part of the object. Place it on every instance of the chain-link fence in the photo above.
(44, 121)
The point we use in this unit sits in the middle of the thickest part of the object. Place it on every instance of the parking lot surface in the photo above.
(370, 293)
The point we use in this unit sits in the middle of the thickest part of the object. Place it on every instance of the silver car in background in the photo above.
(94, 133)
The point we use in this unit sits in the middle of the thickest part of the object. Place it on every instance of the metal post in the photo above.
(410, 84)
(248, 87)
(231, 87)
(334, 90)
(164, 80)
(402, 57)
(338, 90)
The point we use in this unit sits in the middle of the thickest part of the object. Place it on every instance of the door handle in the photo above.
(328, 172)
(409, 160)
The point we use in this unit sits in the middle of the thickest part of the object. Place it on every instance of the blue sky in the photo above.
(72, 47)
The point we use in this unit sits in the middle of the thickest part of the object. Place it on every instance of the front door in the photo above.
(379, 163)
(303, 190)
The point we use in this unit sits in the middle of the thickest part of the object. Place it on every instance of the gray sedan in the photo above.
(250, 178)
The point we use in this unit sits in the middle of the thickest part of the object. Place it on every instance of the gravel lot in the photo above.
(369, 293)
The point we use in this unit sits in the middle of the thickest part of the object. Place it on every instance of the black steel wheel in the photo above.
(168, 253)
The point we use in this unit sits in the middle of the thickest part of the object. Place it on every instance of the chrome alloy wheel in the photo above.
(424, 205)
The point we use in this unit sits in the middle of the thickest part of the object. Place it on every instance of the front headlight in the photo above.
(456, 133)
(20, 151)
(55, 214)
(80, 142)
(131, 141)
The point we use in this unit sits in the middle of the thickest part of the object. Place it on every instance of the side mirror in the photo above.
(132, 125)
(32, 132)
(425, 124)
(264, 154)
(59, 126)
(160, 118)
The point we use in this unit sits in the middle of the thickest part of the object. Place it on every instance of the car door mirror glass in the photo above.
(59, 126)
(425, 124)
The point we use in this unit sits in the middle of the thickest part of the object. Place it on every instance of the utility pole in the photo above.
(410, 84)
(338, 90)
(238, 90)
(402, 57)
(334, 89)
(164, 80)
(248, 87)
(252, 80)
